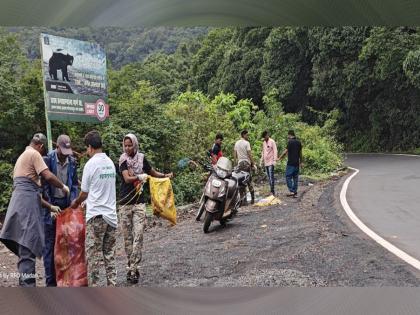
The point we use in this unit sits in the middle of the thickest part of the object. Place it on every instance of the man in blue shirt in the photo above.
(62, 164)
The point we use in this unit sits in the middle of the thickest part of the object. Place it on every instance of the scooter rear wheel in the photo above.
(207, 221)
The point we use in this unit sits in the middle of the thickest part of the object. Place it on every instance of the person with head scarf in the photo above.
(134, 169)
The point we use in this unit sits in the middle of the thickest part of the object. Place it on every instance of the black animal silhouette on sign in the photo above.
(60, 61)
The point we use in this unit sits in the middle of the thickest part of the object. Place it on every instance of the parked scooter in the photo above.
(221, 198)
(208, 167)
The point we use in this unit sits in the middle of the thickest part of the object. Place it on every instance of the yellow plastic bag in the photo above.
(162, 196)
(269, 201)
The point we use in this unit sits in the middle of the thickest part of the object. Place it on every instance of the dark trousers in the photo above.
(246, 167)
(48, 251)
(48, 254)
(270, 174)
(292, 177)
(26, 267)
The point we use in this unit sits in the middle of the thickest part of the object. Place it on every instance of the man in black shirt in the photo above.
(134, 168)
(294, 161)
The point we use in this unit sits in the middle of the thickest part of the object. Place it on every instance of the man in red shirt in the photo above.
(216, 150)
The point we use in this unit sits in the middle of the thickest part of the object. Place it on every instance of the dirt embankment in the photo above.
(303, 242)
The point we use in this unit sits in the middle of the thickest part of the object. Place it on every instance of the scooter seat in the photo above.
(241, 177)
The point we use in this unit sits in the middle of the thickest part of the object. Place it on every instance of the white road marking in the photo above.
(392, 248)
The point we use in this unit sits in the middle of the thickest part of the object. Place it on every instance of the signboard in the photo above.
(74, 74)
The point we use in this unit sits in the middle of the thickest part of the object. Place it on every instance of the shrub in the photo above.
(6, 171)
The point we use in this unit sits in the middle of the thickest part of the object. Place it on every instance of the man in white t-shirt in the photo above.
(98, 189)
(243, 158)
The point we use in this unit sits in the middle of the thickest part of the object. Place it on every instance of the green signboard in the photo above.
(74, 74)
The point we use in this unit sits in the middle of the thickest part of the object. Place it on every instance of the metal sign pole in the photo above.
(49, 136)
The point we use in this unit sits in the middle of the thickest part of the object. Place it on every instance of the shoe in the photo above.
(294, 195)
(133, 278)
(291, 194)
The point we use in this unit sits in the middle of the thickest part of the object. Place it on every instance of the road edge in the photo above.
(381, 241)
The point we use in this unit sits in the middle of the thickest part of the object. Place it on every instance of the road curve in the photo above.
(385, 196)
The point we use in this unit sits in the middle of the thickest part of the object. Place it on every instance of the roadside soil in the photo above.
(303, 242)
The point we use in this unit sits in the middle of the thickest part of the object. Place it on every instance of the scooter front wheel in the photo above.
(207, 221)
(201, 208)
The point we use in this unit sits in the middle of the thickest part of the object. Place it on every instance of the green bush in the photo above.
(6, 171)
(187, 186)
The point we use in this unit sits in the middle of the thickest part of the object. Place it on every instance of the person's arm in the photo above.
(53, 209)
(250, 154)
(51, 178)
(235, 157)
(85, 187)
(157, 174)
(148, 169)
(300, 157)
(128, 179)
(76, 202)
(43, 170)
(250, 158)
(283, 154)
(45, 204)
(45, 186)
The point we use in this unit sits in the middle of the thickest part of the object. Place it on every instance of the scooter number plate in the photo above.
(216, 183)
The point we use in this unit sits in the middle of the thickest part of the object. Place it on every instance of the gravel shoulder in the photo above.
(304, 242)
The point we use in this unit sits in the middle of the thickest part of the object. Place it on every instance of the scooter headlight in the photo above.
(221, 173)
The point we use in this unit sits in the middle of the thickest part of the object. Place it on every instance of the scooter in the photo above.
(221, 196)
(210, 169)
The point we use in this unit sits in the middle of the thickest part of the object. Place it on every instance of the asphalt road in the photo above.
(385, 195)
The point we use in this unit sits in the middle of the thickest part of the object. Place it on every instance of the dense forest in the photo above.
(122, 45)
(347, 88)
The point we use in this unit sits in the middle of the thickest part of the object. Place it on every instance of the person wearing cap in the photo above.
(23, 230)
(63, 165)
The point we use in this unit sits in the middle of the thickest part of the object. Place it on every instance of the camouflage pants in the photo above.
(132, 218)
(246, 167)
(100, 245)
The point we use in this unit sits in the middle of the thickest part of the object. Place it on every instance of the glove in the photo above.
(66, 190)
(55, 211)
(143, 177)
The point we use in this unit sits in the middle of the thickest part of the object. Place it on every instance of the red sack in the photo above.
(69, 250)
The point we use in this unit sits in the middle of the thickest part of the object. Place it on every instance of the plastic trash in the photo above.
(69, 250)
(163, 201)
(269, 201)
